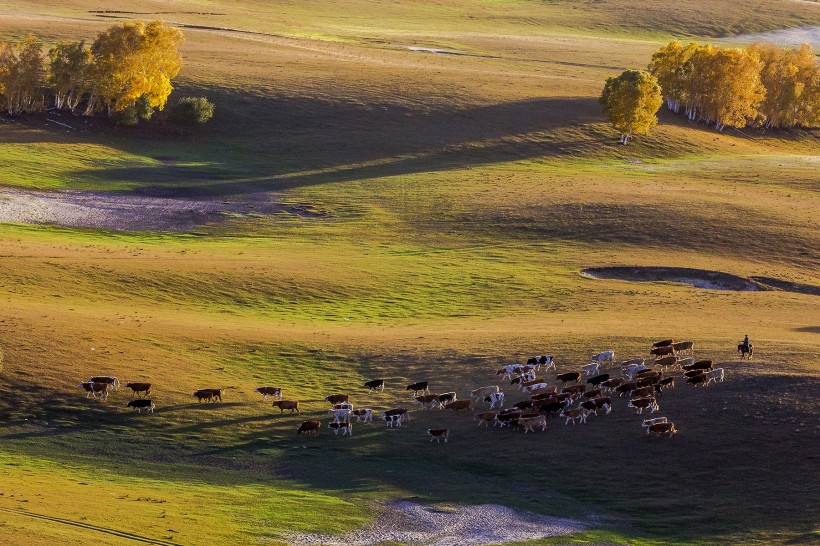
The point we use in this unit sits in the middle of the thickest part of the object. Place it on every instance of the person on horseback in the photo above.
(746, 343)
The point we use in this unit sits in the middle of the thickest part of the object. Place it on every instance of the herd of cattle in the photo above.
(566, 396)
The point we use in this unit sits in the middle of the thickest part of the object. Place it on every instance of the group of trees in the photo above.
(763, 85)
(126, 72)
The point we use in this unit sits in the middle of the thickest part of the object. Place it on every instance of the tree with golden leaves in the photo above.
(670, 64)
(791, 79)
(631, 102)
(735, 91)
(22, 76)
(134, 62)
(69, 73)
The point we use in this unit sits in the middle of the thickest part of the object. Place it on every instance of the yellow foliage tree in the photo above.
(631, 102)
(22, 76)
(735, 91)
(670, 64)
(135, 61)
(791, 78)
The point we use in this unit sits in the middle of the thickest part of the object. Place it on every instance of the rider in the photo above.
(746, 343)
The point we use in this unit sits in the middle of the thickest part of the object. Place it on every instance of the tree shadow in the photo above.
(259, 143)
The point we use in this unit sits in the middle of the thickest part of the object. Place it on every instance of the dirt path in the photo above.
(409, 522)
(130, 212)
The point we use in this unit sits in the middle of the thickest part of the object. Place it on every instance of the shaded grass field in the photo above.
(461, 196)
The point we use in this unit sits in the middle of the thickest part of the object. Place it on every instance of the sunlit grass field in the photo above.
(457, 198)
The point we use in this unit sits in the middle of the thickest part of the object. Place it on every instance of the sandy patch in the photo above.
(129, 212)
(413, 523)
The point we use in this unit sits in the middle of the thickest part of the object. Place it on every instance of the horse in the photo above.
(745, 350)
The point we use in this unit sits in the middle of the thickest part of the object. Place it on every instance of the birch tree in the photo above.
(22, 76)
(631, 102)
(734, 91)
(69, 73)
(670, 65)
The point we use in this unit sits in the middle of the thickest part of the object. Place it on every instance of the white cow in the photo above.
(632, 369)
(534, 386)
(542, 360)
(590, 369)
(715, 375)
(508, 370)
(495, 397)
(340, 415)
(605, 356)
(484, 392)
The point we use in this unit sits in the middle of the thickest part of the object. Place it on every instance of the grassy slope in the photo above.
(464, 194)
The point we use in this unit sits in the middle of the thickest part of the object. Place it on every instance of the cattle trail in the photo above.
(106, 530)
(409, 522)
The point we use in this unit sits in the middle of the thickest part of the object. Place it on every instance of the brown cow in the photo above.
(426, 399)
(625, 388)
(459, 405)
(693, 373)
(309, 427)
(485, 418)
(137, 388)
(648, 380)
(211, 395)
(700, 365)
(644, 373)
(548, 407)
(437, 434)
(524, 404)
(404, 417)
(113, 382)
(594, 393)
(701, 379)
(642, 392)
(337, 398)
(273, 392)
(666, 362)
(292, 405)
(641, 404)
(662, 351)
(91, 389)
(612, 384)
(684, 347)
(573, 414)
(663, 343)
(659, 429)
(565, 378)
(575, 389)
(603, 402)
(503, 418)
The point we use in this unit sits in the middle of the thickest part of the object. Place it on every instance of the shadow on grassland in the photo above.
(261, 143)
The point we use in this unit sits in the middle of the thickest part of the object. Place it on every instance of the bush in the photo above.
(190, 111)
(126, 116)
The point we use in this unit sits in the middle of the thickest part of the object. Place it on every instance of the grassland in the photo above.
(460, 196)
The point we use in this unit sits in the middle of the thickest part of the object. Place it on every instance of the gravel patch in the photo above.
(451, 525)
(129, 212)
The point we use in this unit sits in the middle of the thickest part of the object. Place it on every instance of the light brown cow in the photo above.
(459, 405)
(483, 392)
(438, 433)
(292, 405)
(531, 423)
(544, 391)
(571, 414)
(309, 427)
(211, 395)
(612, 384)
